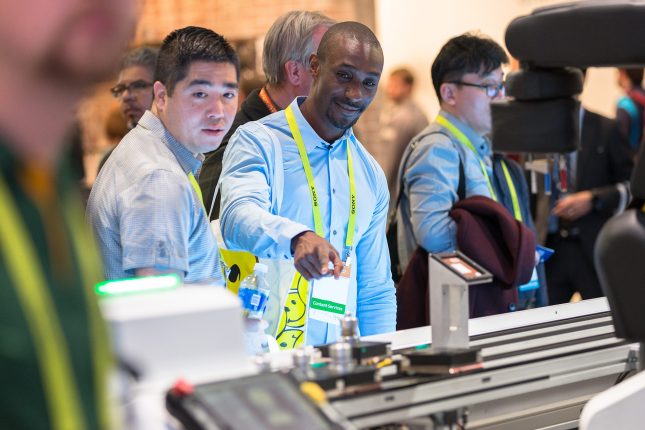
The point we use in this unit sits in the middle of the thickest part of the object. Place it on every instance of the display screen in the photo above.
(266, 401)
(460, 266)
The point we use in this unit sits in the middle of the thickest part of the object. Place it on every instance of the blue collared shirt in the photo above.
(430, 183)
(145, 212)
(248, 222)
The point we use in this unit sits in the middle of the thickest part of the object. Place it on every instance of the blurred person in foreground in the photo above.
(54, 352)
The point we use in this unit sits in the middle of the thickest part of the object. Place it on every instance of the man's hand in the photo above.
(574, 206)
(312, 254)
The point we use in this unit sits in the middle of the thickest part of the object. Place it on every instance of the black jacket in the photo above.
(252, 109)
(604, 161)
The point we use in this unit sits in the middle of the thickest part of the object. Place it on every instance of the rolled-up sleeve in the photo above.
(376, 299)
(247, 183)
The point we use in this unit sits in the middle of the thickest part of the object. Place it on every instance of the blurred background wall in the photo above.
(411, 32)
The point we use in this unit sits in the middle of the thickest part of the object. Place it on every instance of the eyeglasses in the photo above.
(133, 87)
(492, 90)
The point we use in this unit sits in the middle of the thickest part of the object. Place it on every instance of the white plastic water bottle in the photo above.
(254, 293)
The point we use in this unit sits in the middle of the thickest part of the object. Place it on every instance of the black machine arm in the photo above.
(542, 116)
(542, 113)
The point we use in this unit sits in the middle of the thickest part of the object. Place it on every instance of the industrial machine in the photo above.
(534, 370)
(537, 371)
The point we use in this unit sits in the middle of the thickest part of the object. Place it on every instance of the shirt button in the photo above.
(334, 232)
(268, 255)
(333, 190)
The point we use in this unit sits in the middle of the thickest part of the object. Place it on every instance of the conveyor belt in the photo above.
(563, 359)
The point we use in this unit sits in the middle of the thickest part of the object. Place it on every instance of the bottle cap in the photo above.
(261, 268)
(349, 327)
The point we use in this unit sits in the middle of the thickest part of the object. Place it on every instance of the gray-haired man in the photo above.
(288, 46)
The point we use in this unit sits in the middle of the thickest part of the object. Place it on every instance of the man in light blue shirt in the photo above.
(145, 206)
(467, 76)
(346, 71)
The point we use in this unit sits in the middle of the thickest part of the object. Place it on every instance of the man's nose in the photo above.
(128, 94)
(216, 109)
(354, 91)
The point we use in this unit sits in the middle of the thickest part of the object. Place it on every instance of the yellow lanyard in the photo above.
(464, 140)
(461, 137)
(195, 185)
(349, 240)
(511, 187)
(60, 389)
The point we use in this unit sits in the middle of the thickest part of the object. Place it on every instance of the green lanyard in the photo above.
(464, 140)
(511, 187)
(349, 240)
(195, 185)
(60, 390)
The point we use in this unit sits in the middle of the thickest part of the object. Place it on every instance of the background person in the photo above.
(288, 45)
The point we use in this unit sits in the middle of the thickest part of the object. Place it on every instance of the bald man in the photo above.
(269, 203)
(288, 46)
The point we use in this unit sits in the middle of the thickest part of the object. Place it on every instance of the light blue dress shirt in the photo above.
(248, 222)
(430, 182)
(145, 212)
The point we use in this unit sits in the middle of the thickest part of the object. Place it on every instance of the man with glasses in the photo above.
(452, 158)
(133, 89)
(466, 75)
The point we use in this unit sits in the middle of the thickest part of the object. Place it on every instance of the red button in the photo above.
(182, 388)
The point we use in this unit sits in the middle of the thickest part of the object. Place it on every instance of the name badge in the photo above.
(329, 298)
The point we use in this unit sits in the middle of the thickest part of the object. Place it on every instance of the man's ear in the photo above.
(448, 93)
(294, 71)
(161, 95)
(314, 65)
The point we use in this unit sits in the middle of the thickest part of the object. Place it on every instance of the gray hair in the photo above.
(144, 56)
(290, 38)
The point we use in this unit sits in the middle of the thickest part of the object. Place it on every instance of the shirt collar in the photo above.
(188, 161)
(480, 142)
(309, 135)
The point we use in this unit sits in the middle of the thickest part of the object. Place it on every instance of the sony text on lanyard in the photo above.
(328, 296)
